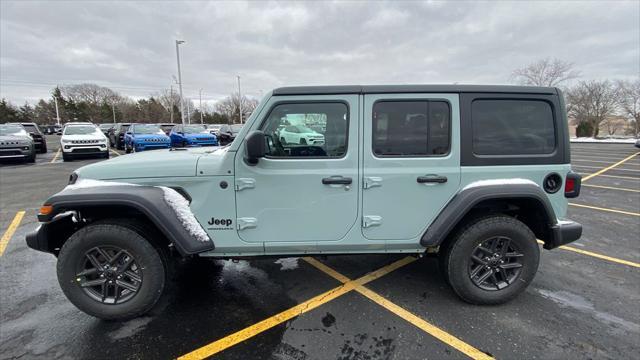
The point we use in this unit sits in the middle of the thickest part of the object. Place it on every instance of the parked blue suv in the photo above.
(192, 135)
(141, 137)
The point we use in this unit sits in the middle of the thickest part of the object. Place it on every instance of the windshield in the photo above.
(194, 129)
(147, 129)
(15, 130)
(30, 128)
(236, 128)
(105, 126)
(215, 127)
(304, 129)
(80, 130)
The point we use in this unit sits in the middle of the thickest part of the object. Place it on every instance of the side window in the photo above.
(317, 129)
(512, 127)
(411, 128)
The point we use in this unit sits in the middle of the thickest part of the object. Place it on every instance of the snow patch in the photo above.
(288, 263)
(90, 183)
(499, 182)
(177, 202)
(180, 207)
(603, 140)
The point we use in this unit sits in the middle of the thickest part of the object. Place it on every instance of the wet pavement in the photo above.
(579, 306)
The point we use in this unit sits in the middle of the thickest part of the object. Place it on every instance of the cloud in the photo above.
(130, 47)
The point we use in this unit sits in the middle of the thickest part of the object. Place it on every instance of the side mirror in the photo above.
(255, 147)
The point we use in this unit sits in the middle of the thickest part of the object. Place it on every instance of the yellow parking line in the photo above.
(10, 230)
(415, 320)
(610, 167)
(115, 152)
(596, 255)
(617, 177)
(610, 187)
(55, 157)
(606, 209)
(425, 326)
(255, 329)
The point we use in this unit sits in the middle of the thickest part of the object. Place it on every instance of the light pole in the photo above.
(239, 99)
(201, 118)
(55, 99)
(178, 42)
(171, 101)
(189, 111)
(113, 109)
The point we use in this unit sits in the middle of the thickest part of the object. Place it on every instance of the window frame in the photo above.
(553, 119)
(426, 100)
(561, 155)
(297, 102)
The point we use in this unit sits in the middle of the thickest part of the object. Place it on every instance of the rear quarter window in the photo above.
(512, 127)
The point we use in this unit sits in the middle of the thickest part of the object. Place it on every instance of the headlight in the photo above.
(65, 141)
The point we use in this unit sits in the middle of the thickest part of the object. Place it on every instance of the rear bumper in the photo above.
(563, 233)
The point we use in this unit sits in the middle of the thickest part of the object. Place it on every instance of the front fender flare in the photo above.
(148, 200)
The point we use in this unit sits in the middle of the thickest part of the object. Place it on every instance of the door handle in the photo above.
(337, 180)
(439, 179)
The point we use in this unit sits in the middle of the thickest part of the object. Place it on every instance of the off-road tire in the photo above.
(66, 157)
(43, 150)
(127, 150)
(128, 235)
(457, 258)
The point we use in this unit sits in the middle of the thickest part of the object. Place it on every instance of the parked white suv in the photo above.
(83, 139)
(298, 134)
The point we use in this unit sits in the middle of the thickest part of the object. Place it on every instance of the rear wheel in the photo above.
(110, 271)
(492, 260)
(127, 149)
(66, 157)
(43, 150)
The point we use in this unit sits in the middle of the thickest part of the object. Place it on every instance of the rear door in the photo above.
(411, 162)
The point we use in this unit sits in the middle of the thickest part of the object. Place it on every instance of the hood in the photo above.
(12, 138)
(200, 135)
(94, 136)
(151, 136)
(147, 164)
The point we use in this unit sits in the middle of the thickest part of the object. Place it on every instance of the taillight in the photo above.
(572, 185)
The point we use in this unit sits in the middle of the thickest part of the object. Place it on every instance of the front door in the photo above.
(411, 162)
(303, 191)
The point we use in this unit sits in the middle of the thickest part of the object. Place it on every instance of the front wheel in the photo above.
(110, 271)
(491, 260)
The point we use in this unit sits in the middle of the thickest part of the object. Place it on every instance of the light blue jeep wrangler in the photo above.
(471, 174)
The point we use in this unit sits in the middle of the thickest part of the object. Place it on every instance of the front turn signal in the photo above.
(46, 209)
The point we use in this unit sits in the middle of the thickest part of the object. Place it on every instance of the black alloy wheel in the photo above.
(109, 275)
(495, 264)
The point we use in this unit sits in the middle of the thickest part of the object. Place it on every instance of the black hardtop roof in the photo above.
(386, 89)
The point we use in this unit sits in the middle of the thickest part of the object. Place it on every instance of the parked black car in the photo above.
(116, 136)
(227, 133)
(39, 140)
(106, 128)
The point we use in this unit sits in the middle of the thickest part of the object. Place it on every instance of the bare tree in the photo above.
(591, 102)
(628, 96)
(545, 72)
(230, 107)
(612, 124)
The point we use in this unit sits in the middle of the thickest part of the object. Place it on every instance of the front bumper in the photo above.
(203, 143)
(152, 146)
(562, 233)
(84, 149)
(15, 152)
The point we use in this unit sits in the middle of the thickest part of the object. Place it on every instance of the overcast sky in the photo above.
(129, 46)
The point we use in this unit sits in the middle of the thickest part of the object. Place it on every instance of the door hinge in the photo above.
(371, 220)
(371, 181)
(245, 183)
(247, 223)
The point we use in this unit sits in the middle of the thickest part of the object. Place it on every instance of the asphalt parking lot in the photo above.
(583, 302)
